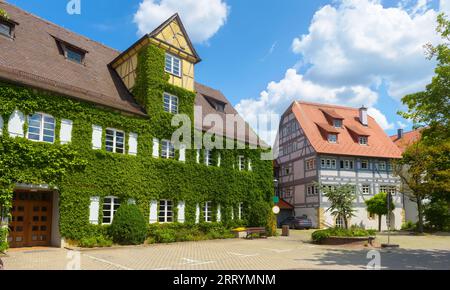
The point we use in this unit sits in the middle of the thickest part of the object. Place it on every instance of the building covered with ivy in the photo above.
(85, 128)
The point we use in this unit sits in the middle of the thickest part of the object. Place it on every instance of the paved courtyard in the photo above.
(280, 253)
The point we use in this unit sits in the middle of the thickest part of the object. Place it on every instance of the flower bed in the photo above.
(338, 236)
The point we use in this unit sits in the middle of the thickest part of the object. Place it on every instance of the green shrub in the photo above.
(408, 226)
(437, 215)
(129, 226)
(3, 238)
(94, 242)
(176, 232)
(320, 235)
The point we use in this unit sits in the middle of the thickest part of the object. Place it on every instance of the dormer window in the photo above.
(216, 104)
(363, 140)
(71, 52)
(7, 27)
(337, 123)
(332, 138)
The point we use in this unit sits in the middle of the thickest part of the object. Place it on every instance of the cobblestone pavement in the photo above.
(280, 253)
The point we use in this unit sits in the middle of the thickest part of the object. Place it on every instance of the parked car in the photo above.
(298, 223)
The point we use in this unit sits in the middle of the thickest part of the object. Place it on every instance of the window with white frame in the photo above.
(207, 211)
(115, 141)
(311, 164)
(167, 149)
(389, 166)
(365, 189)
(328, 163)
(170, 103)
(165, 211)
(340, 223)
(110, 206)
(241, 163)
(363, 140)
(208, 158)
(364, 164)
(312, 190)
(41, 127)
(240, 210)
(390, 189)
(347, 164)
(173, 65)
(382, 165)
(332, 138)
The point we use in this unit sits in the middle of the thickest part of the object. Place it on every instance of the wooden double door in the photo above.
(31, 221)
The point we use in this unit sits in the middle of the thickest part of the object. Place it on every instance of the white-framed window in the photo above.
(365, 189)
(241, 163)
(389, 189)
(173, 65)
(311, 164)
(332, 138)
(363, 140)
(382, 165)
(347, 164)
(364, 164)
(41, 127)
(207, 211)
(110, 206)
(170, 103)
(328, 163)
(165, 211)
(208, 158)
(337, 123)
(167, 149)
(115, 141)
(312, 190)
(389, 166)
(340, 223)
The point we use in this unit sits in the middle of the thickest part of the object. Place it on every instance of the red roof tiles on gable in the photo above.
(310, 114)
(408, 138)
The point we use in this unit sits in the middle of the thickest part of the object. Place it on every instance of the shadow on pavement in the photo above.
(396, 259)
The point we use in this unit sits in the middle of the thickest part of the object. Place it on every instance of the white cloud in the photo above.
(352, 48)
(361, 42)
(380, 118)
(444, 6)
(401, 125)
(202, 18)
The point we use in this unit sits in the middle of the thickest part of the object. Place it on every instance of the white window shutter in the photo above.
(250, 168)
(155, 148)
(132, 201)
(153, 212)
(219, 214)
(182, 152)
(232, 213)
(181, 207)
(197, 214)
(1, 126)
(15, 124)
(219, 160)
(94, 208)
(96, 137)
(132, 144)
(198, 156)
(65, 134)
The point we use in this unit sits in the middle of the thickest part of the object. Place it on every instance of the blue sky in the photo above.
(264, 54)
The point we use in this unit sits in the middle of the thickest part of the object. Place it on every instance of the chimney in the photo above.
(400, 134)
(363, 116)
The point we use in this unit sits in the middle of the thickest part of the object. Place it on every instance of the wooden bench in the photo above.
(260, 231)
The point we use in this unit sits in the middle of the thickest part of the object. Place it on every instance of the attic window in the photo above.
(217, 105)
(337, 123)
(7, 28)
(363, 140)
(332, 138)
(71, 52)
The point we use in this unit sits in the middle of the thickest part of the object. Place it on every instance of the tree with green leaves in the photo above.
(341, 200)
(425, 167)
(378, 205)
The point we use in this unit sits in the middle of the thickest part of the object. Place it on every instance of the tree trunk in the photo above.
(379, 223)
(420, 212)
(346, 223)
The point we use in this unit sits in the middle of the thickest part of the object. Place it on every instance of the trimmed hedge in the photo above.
(129, 226)
(176, 232)
(320, 235)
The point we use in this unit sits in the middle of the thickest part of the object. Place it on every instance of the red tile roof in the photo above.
(310, 114)
(407, 139)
